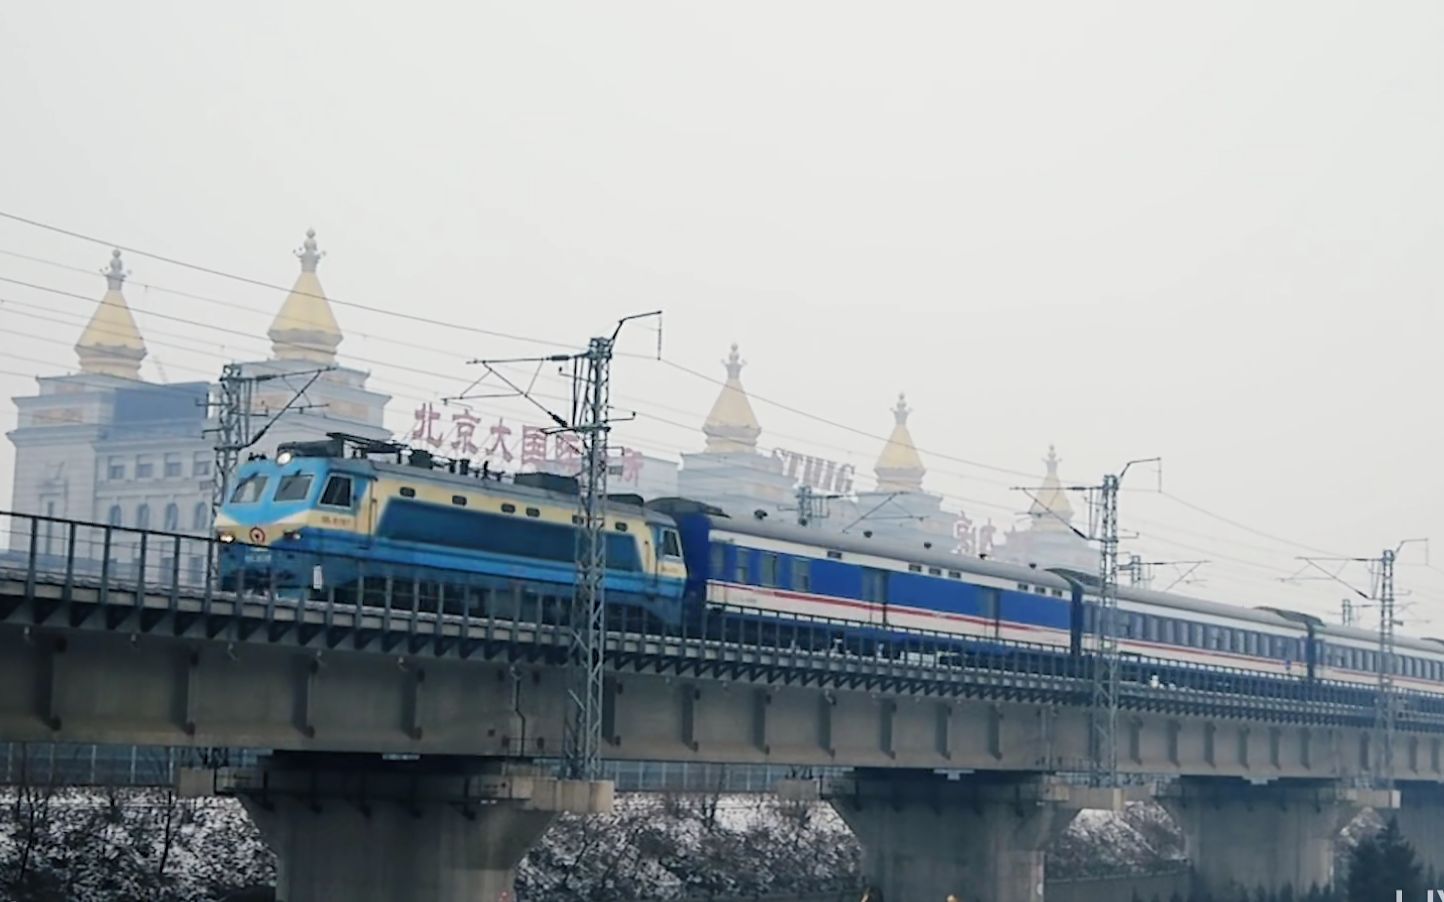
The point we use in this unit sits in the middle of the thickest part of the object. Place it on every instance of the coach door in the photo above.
(874, 592)
(992, 599)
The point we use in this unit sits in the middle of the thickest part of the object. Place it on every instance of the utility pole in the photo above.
(1140, 572)
(1381, 593)
(811, 505)
(1386, 713)
(235, 406)
(1106, 660)
(1346, 612)
(1137, 571)
(591, 420)
(1103, 695)
(583, 741)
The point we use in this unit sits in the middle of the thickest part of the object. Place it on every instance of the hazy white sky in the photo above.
(1206, 231)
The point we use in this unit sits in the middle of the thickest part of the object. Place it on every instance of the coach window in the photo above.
(742, 575)
(719, 559)
(1195, 635)
(802, 574)
(1250, 640)
(770, 569)
(338, 492)
(1150, 628)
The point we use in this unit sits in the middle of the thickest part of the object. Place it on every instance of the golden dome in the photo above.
(731, 425)
(898, 467)
(111, 344)
(306, 329)
(1051, 509)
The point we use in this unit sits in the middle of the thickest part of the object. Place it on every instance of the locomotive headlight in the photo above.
(284, 458)
(227, 538)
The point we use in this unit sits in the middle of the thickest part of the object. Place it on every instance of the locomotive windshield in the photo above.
(249, 489)
(294, 487)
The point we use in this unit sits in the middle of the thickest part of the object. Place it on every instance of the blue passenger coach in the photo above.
(880, 586)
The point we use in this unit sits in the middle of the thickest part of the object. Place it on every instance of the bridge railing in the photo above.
(125, 569)
(105, 554)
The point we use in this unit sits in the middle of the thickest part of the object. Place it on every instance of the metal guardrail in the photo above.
(95, 576)
(105, 765)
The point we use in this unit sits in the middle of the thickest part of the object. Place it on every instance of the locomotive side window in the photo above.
(670, 546)
(294, 487)
(248, 490)
(338, 492)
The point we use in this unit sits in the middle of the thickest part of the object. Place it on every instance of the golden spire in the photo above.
(1051, 509)
(305, 329)
(731, 426)
(898, 467)
(111, 344)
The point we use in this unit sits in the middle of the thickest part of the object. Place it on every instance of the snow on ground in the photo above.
(99, 846)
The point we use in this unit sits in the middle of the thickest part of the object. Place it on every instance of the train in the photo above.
(320, 516)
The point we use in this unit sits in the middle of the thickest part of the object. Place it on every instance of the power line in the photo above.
(680, 367)
(590, 418)
(1382, 594)
(464, 327)
(261, 283)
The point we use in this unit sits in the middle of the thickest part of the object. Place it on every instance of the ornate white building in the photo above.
(105, 445)
(732, 473)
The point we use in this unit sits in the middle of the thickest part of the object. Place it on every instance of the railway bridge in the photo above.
(407, 732)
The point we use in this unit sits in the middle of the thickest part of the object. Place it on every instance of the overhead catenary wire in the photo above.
(680, 367)
(533, 340)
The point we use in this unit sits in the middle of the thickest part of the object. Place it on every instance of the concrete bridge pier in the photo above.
(432, 830)
(1242, 836)
(982, 837)
(1421, 821)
